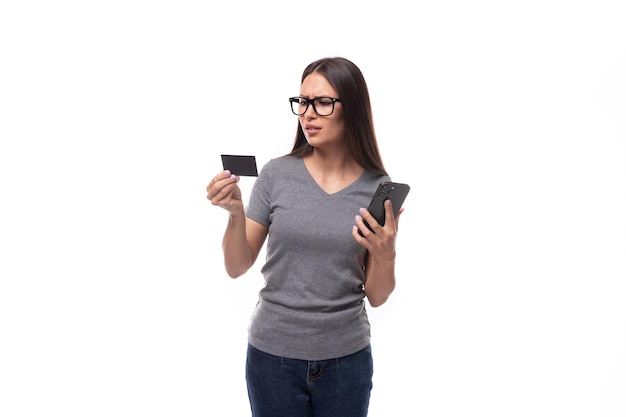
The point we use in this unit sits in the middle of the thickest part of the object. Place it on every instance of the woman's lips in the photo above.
(312, 129)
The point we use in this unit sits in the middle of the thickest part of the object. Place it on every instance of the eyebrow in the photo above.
(313, 98)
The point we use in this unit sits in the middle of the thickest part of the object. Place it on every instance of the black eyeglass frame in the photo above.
(311, 101)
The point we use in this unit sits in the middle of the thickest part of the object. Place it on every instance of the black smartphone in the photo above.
(394, 191)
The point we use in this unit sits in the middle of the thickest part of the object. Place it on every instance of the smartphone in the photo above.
(394, 191)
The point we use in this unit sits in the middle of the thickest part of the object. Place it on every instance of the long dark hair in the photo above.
(346, 78)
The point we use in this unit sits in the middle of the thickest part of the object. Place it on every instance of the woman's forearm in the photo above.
(237, 254)
(380, 280)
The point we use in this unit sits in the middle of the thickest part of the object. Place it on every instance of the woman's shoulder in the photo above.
(282, 163)
(370, 177)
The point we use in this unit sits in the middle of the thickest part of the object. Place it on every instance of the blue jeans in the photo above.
(281, 387)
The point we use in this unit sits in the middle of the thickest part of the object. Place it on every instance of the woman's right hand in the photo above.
(224, 192)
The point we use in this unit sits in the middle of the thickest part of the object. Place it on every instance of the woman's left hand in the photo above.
(381, 240)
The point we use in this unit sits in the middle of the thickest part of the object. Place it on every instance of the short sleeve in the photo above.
(259, 205)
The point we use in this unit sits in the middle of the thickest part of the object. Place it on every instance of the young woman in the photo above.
(309, 350)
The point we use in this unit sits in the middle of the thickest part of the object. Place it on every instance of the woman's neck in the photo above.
(332, 172)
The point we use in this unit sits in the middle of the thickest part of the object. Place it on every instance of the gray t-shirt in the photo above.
(312, 305)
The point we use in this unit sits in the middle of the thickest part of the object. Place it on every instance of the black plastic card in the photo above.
(241, 165)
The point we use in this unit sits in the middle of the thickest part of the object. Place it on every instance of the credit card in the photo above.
(241, 165)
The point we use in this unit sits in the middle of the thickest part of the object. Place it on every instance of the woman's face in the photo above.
(319, 130)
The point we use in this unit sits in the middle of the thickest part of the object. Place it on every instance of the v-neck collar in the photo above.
(344, 190)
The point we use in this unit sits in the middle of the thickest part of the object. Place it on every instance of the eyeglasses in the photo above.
(323, 106)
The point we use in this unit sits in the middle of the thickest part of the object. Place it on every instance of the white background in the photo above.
(507, 119)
